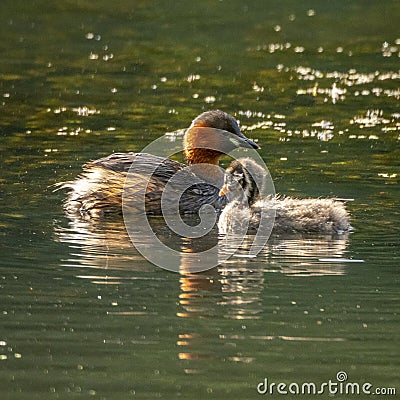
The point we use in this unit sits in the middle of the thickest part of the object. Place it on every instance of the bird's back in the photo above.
(101, 186)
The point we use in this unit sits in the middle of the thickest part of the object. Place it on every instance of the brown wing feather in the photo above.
(98, 189)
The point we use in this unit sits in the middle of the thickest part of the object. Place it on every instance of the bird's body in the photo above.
(292, 215)
(99, 189)
(312, 215)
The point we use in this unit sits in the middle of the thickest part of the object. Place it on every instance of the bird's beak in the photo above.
(241, 140)
(224, 190)
(198, 137)
(248, 143)
(253, 145)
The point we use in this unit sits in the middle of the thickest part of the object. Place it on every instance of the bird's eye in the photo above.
(237, 176)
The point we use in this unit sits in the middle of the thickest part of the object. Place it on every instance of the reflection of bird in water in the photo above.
(105, 245)
(244, 178)
(99, 188)
(306, 254)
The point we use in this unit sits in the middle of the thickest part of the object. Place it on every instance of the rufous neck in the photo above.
(201, 145)
(202, 156)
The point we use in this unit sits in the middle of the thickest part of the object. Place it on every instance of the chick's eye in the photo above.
(237, 176)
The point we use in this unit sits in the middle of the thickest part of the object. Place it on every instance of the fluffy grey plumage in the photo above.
(320, 215)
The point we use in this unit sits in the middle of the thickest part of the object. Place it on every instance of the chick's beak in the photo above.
(224, 190)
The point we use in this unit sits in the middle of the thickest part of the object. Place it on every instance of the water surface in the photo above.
(82, 312)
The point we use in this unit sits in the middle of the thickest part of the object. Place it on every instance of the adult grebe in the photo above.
(98, 189)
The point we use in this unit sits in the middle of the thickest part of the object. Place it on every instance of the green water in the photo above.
(83, 314)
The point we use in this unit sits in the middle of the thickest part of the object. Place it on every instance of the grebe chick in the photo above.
(312, 215)
(98, 189)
